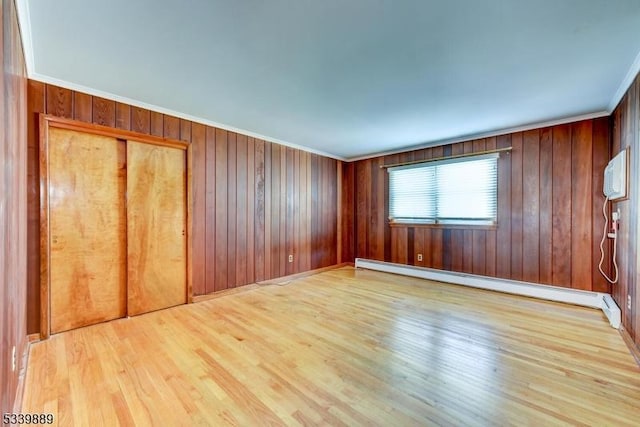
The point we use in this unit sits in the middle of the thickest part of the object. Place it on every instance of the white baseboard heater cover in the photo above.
(552, 293)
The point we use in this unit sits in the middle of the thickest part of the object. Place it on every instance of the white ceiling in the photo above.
(345, 78)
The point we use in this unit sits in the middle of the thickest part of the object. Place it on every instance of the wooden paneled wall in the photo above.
(626, 134)
(549, 210)
(255, 202)
(13, 203)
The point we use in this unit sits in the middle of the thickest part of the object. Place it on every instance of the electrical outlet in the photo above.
(419, 257)
(290, 258)
(13, 359)
(628, 302)
(615, 215)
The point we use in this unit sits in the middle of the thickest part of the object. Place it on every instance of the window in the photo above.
(451, 191)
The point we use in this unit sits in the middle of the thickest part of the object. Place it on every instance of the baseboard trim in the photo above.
(224, 293)
(22, 375)
(286, 279)
(547, 292)
(633, 347)
(278, 281)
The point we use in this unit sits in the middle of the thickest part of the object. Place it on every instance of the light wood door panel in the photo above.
(87, 238)
(156, 227)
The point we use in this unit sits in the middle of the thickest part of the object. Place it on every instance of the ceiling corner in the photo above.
(625, 83)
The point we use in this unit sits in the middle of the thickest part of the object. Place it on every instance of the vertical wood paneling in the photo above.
(211, 210)
(289, 205)
(242, 253)
(479, 247)
(418, 247)
(314, 206)
(411, 231)
(620, 140)
(490, 255)
(268, 212)
(282, 193)
(531, 205)
(626, 134)
(400, 251)
(171, 127)
(546, 206)
(140, 120)
(295, 211)
(104, 112)
(581, 195)
(59, 101)
(599, 158)
(156, 123)
(221, 216)
(516, 206)
(332, 198)
(185, 130)
(232, 211)
(321, 214)
(82, 107)
(561, 266)
(363, 177)
(304, 215)
(627, 238)
(503, 262)
(377, 202)
(260, 198)
(275, 211)
(374, 198)
(199, 188)
(13, 206)
(251, 210)
(381, 213)
(123, 116)
(310, 217)
(633, 319)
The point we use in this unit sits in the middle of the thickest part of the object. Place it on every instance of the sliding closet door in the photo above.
(156, 227)
(87, 229)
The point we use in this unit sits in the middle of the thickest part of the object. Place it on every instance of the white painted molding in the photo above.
(552, 293)
(24, 23)
(625, 83)
(76, 87)
(489, 134)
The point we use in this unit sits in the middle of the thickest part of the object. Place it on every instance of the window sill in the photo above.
(445, 226)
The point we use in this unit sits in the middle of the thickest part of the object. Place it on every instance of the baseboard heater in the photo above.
(552, 293)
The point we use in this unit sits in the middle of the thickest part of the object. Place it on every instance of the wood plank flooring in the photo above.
(343, 348)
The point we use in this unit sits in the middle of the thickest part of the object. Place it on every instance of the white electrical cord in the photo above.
(604, 237)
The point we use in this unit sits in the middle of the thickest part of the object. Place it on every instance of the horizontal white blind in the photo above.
(411, 194)
(453, 191)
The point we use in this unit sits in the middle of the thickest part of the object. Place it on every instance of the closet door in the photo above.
(156, 227)
(87, 229)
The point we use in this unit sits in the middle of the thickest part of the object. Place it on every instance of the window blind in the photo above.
(451, 191)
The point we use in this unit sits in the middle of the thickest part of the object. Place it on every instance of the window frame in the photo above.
(449, 223)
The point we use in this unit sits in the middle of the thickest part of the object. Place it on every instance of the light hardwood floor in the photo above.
(345, 348)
